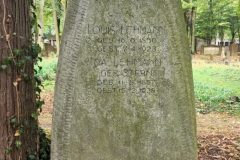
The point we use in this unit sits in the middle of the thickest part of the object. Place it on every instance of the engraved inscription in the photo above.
(126, 63)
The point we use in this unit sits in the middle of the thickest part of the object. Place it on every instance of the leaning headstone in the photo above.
(124, 86)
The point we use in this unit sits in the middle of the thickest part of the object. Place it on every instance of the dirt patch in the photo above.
(45, 119)
(218, 147)
(218, 136)
(216, 123)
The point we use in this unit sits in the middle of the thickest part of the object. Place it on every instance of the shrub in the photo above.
(49, 68)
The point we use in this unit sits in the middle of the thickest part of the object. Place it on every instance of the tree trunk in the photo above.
(210, 28)
(239, 39)
(64, 3)
(18, 130)
(193, 31)
(35, 27)
(221, 36)
(41, 24)
(56, 25)
(104, 107)
(233, 34)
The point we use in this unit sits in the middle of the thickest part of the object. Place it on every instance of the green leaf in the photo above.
(18, 144)
(35, 115)
(3, 67)
(8, 150)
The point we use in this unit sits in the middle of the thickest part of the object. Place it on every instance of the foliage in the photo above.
(216, 18)
(48, 15)
(187, 5)
(44, 148)
(211, 95)
(48, 71)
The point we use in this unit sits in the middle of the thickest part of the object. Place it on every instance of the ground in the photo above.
(218, 130)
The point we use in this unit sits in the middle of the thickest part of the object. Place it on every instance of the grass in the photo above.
(214, 85)
(218, 76)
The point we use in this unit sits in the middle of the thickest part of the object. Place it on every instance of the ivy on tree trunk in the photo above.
(18, 126)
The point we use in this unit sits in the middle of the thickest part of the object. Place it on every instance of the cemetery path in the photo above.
(218, 134)
(45, 119)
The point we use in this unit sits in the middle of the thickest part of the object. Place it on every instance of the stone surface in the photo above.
(124, 87)
(234, 49)
(211, 50)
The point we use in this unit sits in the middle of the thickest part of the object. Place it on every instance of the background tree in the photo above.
(56, 17)
(214, 19)
(190, 16)
(41, 23)
(50, 18)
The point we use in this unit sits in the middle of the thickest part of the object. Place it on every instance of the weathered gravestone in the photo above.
(211, 50)
(124, 87)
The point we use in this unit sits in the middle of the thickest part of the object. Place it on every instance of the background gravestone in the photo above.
(211, 50)
(124, 87)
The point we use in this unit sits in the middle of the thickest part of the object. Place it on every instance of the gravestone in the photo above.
(234, 49)
(200, 43)
(124, 87)
(211, 50)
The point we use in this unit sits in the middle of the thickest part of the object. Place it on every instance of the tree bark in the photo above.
(18, 131)
(239, 39)
(193, 42)
(41, 23)
(210, 29)
(56, 26)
